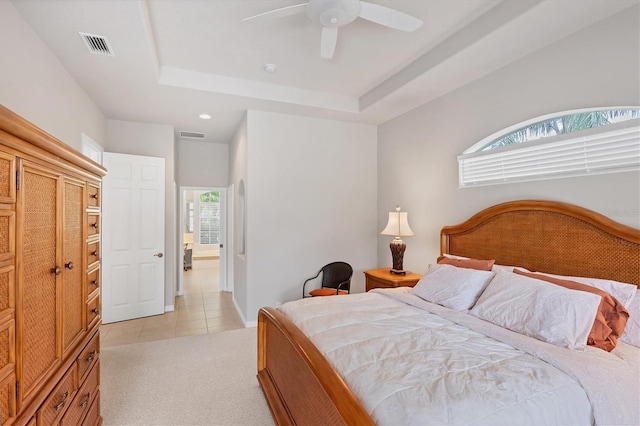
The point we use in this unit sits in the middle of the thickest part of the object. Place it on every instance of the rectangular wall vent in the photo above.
(191, 135)
(98, 45)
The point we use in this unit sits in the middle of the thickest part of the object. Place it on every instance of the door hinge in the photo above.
(17, 391)
(17, 180)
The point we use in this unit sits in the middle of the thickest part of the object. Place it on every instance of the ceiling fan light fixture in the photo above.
(333, 13)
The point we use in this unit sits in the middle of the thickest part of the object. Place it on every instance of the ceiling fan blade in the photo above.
(328, 42)
(279, 13)
(388, 17)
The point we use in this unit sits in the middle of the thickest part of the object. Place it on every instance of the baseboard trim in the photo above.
(169, 308)
(251, 324)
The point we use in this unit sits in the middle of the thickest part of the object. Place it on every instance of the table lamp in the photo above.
(398, 226)
(187, 239)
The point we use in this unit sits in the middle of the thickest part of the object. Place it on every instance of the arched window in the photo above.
(572, 143)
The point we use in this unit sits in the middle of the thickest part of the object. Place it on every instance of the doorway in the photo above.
(203, 236)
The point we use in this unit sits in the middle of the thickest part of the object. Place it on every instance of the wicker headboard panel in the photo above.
(548, 236)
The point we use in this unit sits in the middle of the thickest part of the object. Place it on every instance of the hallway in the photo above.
(203, 309)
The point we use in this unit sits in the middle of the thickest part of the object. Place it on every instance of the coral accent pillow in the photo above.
(327, 292)
(610, 319)
(480, 265)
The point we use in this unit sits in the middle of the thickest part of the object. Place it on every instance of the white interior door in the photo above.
(223, 240)
(133, 239)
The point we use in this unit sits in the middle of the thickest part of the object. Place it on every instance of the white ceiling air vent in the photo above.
(98, 45)
(191, 135)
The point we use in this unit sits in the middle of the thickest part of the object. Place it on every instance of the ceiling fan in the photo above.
(333, 14)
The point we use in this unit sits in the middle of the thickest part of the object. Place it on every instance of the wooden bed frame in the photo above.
(300, 385)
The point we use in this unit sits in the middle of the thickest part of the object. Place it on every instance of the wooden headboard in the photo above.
(548, 236)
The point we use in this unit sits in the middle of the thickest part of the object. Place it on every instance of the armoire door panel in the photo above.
(73, 243)
(38, 320)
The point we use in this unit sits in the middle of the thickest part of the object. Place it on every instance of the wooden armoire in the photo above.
(49, 279)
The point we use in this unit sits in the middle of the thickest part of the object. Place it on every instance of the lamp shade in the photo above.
(398, 225)
(188, 238)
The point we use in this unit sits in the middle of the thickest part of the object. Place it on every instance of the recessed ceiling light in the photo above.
(205, 116)
(270, 68)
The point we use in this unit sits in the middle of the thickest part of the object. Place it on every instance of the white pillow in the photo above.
(455, 288)
(538, 309)
(631, 333)
(624, 292)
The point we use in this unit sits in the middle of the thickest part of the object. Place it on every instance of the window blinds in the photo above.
(615, 148)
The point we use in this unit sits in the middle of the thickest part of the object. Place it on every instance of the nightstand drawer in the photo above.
(382, 278)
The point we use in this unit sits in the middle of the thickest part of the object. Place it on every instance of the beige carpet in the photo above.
(208, 379)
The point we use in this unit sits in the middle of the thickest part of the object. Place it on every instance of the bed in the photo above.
(302, 386)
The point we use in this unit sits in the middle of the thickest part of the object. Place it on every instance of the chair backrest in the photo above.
(335, 273)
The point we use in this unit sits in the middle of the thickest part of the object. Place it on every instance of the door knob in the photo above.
(221, 245)
(159, 254)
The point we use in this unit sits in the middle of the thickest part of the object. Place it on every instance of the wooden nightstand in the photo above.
(382, 278)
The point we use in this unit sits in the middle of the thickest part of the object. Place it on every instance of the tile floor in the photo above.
(203, 309)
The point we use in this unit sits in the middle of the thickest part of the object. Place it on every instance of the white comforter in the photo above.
(413, 362)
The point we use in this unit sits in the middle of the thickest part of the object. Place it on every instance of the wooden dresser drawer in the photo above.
(93, 282)
(93, 311)
(7, 348)
(93, 196)
(93, 416)
(7, 178)
(88, 357)
(7, 234)
(93, 224)
(93, 253)
(7, 400)
(7, 292)
(82, 402)
(60, 399)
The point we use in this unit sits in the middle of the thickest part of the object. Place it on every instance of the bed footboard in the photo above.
(299, 384)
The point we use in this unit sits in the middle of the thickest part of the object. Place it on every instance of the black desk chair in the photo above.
(336, 280)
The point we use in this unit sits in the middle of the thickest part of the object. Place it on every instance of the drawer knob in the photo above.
(94, 225)
(94, 253)
(95, 282)
(56, 271)
(95, 196)
(95, 311)
(68, 265)
(91, 356)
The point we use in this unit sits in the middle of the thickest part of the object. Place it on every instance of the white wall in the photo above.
(153, 140)
(311, 200)
(417, 167)
(202, 164)
(35, 85)
(237, 173)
